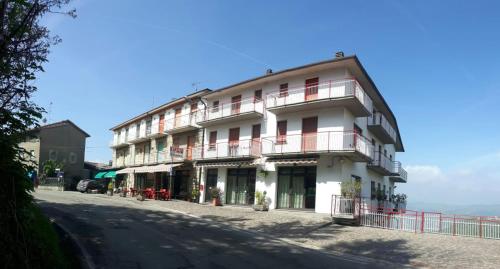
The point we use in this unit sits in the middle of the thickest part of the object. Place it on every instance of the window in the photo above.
(137, 130)
(384, 193)
(284, 90)
(215, 106)
(212, 140)
(53, 155)
(72, 158)
(281, 132)
(258, 95)
(373, 190)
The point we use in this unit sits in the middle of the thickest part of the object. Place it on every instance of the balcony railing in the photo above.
(228, 150)
(330, 141)
(326, 90)
(378, 124)
(180, 123)
(246, 108)
(381, 163)
(398, 173)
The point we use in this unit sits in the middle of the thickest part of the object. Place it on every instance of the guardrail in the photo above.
(383, 216)
(222, 150)
(379, 159)
(378, 118)
(220, 111)
(400, 171)
(331, 89)
(181, 121)
(329, 141)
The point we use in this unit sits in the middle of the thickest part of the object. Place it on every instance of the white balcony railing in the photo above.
(399, 171)
(330, 141)
(174, 154)
(378, 118)
(225, 110)
(332, 89)
(382, 161)
(223, 150)
(181, 121)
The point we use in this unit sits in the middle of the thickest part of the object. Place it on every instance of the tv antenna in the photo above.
(49, 112)
(195, 85)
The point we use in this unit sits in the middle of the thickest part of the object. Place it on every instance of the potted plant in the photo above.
(261, 204)
(110, 188)
(195, 192)
(263, 173)
(216, 194)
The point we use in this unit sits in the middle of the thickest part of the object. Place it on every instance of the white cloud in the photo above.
(425, 173)
(475, 181)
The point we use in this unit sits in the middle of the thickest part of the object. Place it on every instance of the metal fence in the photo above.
(416, 221)
(51, 182)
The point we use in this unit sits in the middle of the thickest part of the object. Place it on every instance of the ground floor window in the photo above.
(240, 186)
(297, 187)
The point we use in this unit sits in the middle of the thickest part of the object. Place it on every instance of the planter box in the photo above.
(216, 202)
(260, 208)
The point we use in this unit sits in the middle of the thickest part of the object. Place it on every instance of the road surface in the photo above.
(123, 235)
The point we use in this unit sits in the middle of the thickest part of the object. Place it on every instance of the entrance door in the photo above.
(234, 140)
(162, 123)
(210, 183)
(240, 186)
(311, 89)
(256, 140)
(177, 119)
(309, 134)
(297, 187)
(235, 104)
(190, 146)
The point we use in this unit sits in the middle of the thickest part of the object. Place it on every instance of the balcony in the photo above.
(341, 143)
(381, 128)
(398, 173)
(228, 150)
(230, 112)
(381, 164)
(175, 154)
(117, 143)
(182, 123)
(138, 138)
(343, 93)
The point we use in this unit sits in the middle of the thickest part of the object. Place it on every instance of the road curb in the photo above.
(85, 258)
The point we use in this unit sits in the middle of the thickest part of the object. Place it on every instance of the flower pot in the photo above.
(216, 202)
(140, 197)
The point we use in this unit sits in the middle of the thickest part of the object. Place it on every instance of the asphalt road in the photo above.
(118, 235)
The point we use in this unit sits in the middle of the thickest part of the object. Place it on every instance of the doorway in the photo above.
(297, 187)
(210, 183)
(240, 186)
(309, 134)
(234, 140)
(235, 104)
(311, 89)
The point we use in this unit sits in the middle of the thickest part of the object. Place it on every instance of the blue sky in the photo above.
(436, 64)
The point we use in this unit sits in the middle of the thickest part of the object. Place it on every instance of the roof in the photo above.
(172, 103)
(59, 124)
(352, 60)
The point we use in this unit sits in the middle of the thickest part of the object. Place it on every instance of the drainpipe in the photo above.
(202, 146)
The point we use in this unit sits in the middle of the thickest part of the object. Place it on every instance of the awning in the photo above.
(297, 161)
(155, 168)
(100, 175)
(125, 171)
(111, 174)
(227, 164)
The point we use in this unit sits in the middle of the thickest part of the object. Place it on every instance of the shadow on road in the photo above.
(127, 237)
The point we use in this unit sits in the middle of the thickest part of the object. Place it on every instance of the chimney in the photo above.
(339, 54)
(269, 71)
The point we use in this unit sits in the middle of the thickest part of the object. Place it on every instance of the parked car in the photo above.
(87, 185)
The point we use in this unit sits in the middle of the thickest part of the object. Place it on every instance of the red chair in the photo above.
(165, 194)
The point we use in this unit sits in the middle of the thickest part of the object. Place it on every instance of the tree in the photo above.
(24, 46)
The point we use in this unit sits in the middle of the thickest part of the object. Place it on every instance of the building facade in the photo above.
(297, 135)
(62, 142)
(155, 149)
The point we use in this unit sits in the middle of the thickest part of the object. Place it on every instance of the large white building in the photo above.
(296, 134)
